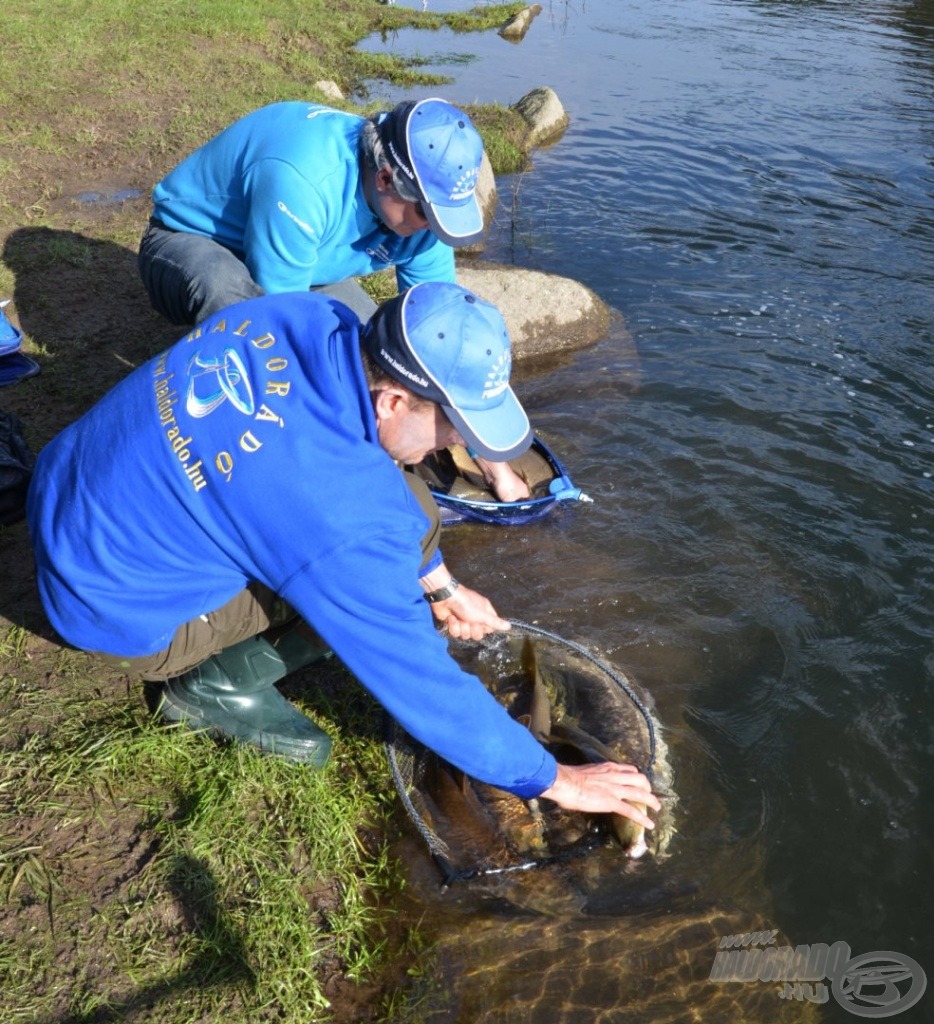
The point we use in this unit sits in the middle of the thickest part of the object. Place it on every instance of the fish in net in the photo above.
(461, 491)
(581, 709)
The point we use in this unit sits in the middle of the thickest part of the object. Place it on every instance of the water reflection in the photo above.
(751, 184)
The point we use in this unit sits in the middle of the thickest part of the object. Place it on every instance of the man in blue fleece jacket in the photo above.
(296, 196)
(253, 467)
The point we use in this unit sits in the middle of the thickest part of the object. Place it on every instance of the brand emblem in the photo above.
(497, 380)
(380, 253)
(211, 382)
(466, 184)
(298, 221)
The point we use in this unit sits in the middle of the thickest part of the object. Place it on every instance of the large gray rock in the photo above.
(546, 314)
(486, 190)
(487, 198)
(543, 112)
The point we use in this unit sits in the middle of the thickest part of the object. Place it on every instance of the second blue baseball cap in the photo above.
(439, 152)
(447, 345)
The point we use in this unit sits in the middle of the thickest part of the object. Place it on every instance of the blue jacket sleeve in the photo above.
(433, 260)
(382, 630)
(285, 222)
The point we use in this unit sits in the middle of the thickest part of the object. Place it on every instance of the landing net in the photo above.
(582, 687)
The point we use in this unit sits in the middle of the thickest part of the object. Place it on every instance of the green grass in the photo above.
(254, 873)
(146, 873)
(503, 132)
(155, 80)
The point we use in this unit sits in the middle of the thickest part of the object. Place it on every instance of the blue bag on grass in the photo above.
(14, 365)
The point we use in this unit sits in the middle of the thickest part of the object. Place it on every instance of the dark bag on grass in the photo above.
(16, 464)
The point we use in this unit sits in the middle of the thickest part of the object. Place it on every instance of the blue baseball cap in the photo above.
(438, 151)
(450, 347)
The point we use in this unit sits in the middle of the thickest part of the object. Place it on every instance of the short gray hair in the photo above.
(375, 155)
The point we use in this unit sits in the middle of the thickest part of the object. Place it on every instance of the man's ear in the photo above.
(383, 179)
(386, 402)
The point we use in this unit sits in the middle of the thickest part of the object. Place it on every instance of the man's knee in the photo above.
(222, 282)
(248, 613)
(189, 277)
(352, 294)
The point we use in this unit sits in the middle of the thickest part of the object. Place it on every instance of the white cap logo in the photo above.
(466, 184)
(497, 380)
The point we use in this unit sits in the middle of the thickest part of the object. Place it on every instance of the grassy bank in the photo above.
(147, 873)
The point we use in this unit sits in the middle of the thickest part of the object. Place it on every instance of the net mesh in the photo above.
(472, 829)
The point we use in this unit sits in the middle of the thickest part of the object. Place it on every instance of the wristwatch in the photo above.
(443, 593)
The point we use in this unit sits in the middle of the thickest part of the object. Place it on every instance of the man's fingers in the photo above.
(625, 776)
(475, 629)
(636, 814)
(640, 792)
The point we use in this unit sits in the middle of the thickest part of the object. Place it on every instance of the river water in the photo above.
(751, 185)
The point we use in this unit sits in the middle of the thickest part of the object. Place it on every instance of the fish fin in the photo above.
(573, 735)
(529, 661)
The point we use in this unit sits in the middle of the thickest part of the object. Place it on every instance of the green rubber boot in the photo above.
(233, 694)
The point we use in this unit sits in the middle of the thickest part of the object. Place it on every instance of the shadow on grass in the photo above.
(88, 323)
(222, 960)
(88, 318)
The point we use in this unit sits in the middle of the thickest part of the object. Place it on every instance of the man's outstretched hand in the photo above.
(604, 789)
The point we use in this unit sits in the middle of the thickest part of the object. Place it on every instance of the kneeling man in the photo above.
(249, 475)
